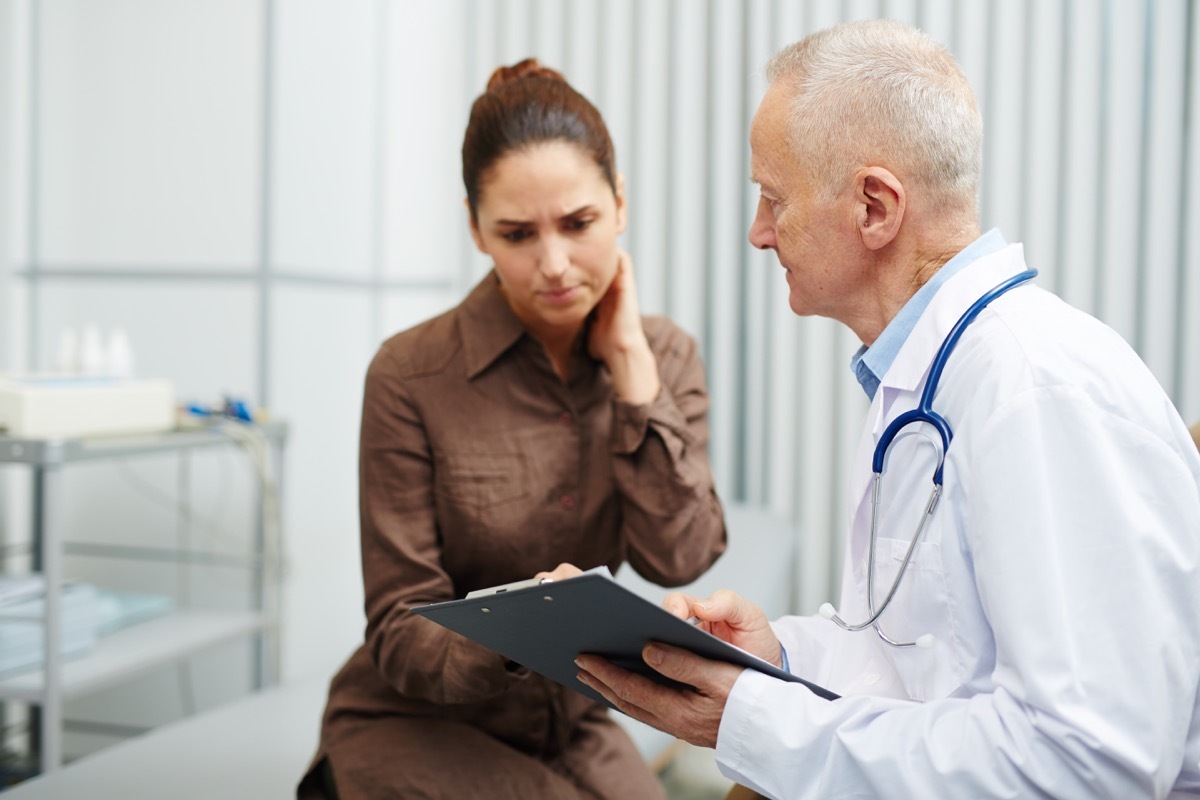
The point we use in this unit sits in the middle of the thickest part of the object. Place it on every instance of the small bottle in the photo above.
(91, 351)
(120, 354)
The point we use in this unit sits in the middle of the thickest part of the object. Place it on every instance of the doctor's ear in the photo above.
(474, 226)
(881, 202)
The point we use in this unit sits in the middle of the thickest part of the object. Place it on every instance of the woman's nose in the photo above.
(554, 258)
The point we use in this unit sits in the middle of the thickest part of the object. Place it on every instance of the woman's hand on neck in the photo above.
(616, 337)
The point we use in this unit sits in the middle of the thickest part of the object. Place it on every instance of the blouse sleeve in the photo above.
(673, 524)
(401, 555)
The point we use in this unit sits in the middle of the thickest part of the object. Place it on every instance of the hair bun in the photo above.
(522, 69)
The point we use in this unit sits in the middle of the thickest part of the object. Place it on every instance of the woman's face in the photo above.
(550, 221)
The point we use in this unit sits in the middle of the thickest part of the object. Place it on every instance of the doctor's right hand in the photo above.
(732, 618)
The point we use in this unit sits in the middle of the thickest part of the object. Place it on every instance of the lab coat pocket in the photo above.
(921, 606)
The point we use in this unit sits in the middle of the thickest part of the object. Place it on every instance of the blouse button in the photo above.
(567, 501)
(565, 418)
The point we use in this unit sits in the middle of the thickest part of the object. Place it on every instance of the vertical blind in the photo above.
(1090, 161)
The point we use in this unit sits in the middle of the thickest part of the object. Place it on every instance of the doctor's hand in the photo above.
(731, 618)
(616, 337)
(693, 715)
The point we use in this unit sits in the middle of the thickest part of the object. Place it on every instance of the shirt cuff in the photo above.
(629, 426)
(632, 422)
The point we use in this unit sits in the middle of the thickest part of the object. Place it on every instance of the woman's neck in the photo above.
(558, 345)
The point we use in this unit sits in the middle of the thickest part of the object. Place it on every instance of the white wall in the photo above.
(8, 82)
(262, 190)
(13, 84)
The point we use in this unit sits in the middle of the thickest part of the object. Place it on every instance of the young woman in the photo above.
(541, 421)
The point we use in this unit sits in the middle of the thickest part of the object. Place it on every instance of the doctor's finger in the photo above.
(679, 604)
(710, 678)
(632, 694)
(732, 608)
(691, 711)
(686, 714)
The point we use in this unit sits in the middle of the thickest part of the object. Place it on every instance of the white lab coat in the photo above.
(1060, 577)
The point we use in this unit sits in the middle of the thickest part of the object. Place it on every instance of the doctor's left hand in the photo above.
(693, 715)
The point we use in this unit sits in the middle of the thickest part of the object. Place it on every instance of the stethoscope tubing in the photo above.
(922, 413)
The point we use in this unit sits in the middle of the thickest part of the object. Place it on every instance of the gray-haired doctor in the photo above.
(1020, 619)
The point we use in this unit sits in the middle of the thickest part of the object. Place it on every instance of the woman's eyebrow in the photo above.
(584, 209)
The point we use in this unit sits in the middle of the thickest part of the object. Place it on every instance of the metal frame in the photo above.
(47, 458)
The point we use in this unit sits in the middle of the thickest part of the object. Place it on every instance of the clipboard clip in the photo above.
(508, 587)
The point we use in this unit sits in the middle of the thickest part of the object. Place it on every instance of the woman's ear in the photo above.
(622, 208)
(474, 226)
(881, 203)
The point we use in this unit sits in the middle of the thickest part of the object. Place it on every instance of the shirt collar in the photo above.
(488, 325)
(870, 364)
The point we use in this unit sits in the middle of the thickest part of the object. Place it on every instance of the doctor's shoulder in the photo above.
(1050, 348)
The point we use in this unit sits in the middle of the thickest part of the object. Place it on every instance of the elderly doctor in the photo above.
(1043, 638)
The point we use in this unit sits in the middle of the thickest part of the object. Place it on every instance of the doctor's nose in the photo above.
(762, 230)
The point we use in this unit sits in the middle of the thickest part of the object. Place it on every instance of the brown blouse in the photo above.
(479, 466)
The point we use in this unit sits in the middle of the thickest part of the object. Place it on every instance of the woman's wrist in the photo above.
(634, 371)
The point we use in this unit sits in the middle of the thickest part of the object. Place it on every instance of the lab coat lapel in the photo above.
(900, 389)
(908, 372)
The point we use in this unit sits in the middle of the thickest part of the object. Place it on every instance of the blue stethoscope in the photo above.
(922, 413)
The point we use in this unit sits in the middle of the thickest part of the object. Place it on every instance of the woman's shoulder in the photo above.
(667, 338)
(423, 348)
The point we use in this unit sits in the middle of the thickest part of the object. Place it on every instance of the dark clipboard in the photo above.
(545, 626)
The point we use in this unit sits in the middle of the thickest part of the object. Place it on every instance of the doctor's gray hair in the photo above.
(882, 92)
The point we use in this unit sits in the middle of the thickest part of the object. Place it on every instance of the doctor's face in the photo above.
(549, 220)
(798, 221)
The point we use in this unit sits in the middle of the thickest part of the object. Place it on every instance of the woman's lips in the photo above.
(559, 296)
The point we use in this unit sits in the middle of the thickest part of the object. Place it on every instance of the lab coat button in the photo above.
(567, 501)
(565, 418)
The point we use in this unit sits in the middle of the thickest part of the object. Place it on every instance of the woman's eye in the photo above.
(578, 224)
(516, 236)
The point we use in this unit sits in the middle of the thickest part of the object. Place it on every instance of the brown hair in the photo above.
(526, 104)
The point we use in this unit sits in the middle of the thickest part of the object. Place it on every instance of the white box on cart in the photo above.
(59, 406)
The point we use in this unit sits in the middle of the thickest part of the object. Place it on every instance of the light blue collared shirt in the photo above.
(870, 364)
